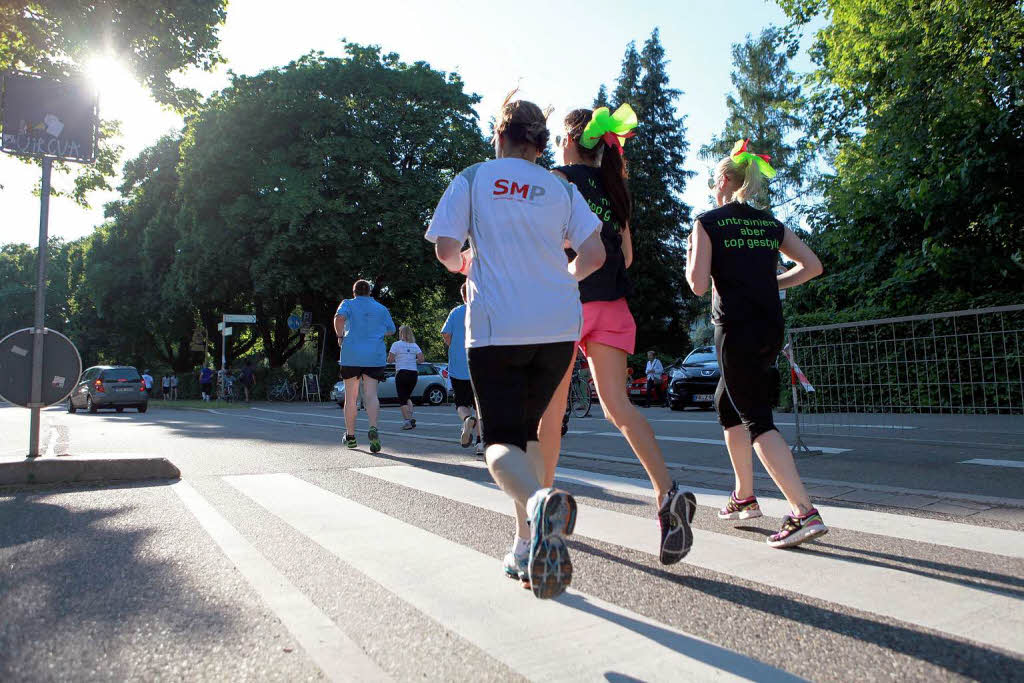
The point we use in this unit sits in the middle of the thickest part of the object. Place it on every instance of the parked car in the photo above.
(430, 387)
(694, 379)
(109, 386)
(637, 389)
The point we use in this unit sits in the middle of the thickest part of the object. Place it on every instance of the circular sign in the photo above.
(62, 367)
(294, 322)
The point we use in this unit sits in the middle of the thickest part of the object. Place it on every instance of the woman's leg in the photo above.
(370, 401)
(608, 367)
(550, 430)
(351, 404)
(737, 441)
(778, 460)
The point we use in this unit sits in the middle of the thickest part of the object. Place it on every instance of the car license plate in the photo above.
(703, 398)
(124, 389)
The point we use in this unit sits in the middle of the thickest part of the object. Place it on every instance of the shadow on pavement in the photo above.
(973, 661)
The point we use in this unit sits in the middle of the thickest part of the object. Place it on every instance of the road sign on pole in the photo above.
(42, 117)
(294, 322)
(307, 322)
(228, 331)
(239, 318)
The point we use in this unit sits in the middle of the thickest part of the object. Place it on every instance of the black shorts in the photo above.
(749, 380)
(405, 384)
(463, 390)
(350, 371)
(166, 390)
(513, 386)
(205, 387)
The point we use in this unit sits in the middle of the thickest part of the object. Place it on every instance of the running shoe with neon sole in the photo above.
(675, 517)
(374, 438)
(553, 517)
(468, 425)
(798, 529)
(350, 441)
(746, 508)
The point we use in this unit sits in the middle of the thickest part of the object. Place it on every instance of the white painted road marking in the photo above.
(334, 652)
(575, 637)
(993, 463)
(788, 424)
(719, 442)
(977, 614)
(920, 529)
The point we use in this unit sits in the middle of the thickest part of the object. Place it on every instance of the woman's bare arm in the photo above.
(698, 260)
(807, 267)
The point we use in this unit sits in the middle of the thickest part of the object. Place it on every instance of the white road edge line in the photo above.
(575, 637)
(340, 658)
(993, 463)
(719, 442)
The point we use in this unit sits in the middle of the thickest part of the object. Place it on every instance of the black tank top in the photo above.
(609, 282)
(744, 256)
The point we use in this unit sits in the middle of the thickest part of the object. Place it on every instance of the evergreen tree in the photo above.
(602, 97)
(657, 180)
(765, 107)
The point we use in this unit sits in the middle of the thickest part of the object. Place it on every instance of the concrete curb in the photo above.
(68, 469)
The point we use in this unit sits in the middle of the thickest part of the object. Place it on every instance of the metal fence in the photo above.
(952, 378)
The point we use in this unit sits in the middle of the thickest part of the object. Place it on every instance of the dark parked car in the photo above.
(694, 379)
(109, 386)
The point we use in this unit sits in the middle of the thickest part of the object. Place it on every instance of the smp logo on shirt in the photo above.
(510, 189)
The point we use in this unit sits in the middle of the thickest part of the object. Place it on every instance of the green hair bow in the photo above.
(741, 156)
(614, 129)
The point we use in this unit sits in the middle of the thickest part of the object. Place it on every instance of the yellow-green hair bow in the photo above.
(614, 129)
(741, 156)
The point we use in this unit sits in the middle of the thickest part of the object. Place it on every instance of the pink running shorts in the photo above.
(609, 323)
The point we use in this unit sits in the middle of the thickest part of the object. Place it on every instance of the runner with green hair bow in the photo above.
(741, 156)
(614, 129)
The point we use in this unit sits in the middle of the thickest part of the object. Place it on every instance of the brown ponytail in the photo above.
(613, 167)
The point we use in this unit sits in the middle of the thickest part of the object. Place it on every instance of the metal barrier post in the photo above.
(799, 447)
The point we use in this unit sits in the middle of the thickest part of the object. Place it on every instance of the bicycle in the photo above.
(579, 400)
(283, 391)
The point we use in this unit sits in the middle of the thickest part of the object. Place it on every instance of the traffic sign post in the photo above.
(226, 332)
(49, 119)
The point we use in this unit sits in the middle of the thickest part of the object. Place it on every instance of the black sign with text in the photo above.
(44, 117)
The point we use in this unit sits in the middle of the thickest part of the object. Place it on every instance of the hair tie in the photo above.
(741, 156)
(613, 129)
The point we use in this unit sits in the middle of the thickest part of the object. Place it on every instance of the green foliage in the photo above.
(18, 271)
(766, 106)
(328, 171)
(919, 108)
(153, 38)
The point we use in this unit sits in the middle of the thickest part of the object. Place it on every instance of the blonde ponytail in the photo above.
(746, 175)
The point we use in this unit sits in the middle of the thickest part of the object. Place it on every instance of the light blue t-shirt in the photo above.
(455, 325)
(367, 323)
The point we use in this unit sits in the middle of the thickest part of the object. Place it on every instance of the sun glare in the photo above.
(119, 92)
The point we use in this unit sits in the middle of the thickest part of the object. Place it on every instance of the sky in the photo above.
(558, 53)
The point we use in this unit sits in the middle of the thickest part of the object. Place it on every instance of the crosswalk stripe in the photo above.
(952, 534)
(993, 463)
(981, 615)
(334, 652)
(574, 637)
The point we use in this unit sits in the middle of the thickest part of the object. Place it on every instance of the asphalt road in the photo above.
(282, 555)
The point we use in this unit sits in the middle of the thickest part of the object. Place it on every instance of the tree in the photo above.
(766, 107)
(602, 97)
(18, 286)
(153, 38)
(919, 108)
(657, 179)
(327, 170)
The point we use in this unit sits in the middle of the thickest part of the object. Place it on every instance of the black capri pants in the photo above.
(405, 383)
(514, 385)
(749, 380)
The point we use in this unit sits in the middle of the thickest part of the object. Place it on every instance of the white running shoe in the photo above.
(468, 426)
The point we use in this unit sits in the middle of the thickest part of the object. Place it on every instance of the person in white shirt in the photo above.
(654, 371)
(165, 386)
(522, 321)
(406, 355)
(148, 379)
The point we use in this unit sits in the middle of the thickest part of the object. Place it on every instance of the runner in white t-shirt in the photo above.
(523, 319)
(406, 355)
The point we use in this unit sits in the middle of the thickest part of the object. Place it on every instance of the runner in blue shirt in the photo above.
(454, 333)
(362, 324)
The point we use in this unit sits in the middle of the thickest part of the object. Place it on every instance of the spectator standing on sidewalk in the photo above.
(247, 379)
(165, 386)
(174, 386)
(654, 371)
